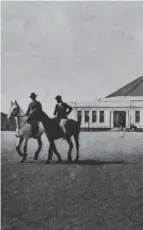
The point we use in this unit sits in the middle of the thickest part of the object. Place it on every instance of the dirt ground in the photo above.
(103, 191)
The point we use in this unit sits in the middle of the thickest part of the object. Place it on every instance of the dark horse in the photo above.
(54, 132)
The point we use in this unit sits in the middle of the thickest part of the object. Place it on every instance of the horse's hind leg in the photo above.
(70, 148)
(18, 146)
(39, 148)
(76, 138)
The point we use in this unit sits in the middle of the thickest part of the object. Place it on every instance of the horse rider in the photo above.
(34, 107)
(62, 110)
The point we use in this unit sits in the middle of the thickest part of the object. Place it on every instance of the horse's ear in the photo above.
(12, 103)
(16, 102)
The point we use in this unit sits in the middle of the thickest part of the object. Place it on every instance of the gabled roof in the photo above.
(134, 88)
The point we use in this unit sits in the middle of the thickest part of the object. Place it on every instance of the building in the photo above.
(124, 108)
(7, 124)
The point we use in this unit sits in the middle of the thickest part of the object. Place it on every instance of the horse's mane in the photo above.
(44, 116)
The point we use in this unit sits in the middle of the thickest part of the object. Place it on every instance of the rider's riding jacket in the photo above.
(62, 110)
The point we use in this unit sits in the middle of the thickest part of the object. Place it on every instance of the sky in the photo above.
(81, 50)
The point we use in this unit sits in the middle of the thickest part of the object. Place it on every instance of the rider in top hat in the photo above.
(62, 110)
(33, 108)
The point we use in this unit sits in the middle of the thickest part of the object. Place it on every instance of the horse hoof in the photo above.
(22, 161)
(47, 162)
(36, 157)
(24, 158)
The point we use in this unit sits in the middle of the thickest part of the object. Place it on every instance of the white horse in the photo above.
(25, 130)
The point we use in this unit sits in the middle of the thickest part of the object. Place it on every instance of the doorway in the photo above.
(119, 118)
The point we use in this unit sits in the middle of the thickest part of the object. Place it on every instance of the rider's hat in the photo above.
(33, 95)
(58, 97)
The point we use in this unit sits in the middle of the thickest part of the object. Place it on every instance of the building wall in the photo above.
(126, 105)
(133, 117)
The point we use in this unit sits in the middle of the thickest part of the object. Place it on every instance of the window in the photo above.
(79, 115)
(94, 116)
(137, 116)
(101, 116)
(86, 116)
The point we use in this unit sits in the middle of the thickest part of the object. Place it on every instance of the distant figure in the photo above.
(33, 108)
(62, 110)
(122, 121)
(133, 127)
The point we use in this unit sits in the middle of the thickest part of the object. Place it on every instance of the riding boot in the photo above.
(64, 136)
(17, 133)
(64, 133)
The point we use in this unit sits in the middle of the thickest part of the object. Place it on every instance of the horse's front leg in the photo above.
(18, 146)
(52, 148)
(39, 148)
(25, 150)
(56, 152)
(50, 154)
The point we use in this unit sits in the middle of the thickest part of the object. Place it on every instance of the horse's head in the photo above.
(14, 110)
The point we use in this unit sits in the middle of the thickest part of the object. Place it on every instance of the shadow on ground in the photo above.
(95, 162)
(82, 162)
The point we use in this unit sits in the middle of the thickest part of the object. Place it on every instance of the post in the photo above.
(74, 105)
(112, 119)
(88, 123)
(75, 108)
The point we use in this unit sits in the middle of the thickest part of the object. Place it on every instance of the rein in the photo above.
(21, 116)
(23, 123)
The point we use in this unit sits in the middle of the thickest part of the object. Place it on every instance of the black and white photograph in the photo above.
(71, 115)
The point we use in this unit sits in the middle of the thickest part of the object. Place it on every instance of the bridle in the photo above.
(18, 116)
